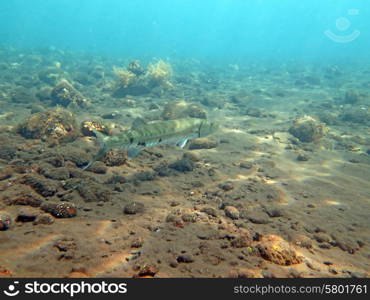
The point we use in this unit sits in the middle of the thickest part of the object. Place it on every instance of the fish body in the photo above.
(176, 132)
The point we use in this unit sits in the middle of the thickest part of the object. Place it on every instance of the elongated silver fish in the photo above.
(145, 135)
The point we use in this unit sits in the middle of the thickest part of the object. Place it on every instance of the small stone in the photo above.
(274, 211)
(148, 270)
(185, 258)
(133, 208)
(190, 217)
(232, 212)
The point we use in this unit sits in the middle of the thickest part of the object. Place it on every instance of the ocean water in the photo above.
(181, 138)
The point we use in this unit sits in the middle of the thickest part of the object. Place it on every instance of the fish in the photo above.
(145, 135)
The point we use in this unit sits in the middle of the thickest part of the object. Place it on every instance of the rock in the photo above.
(25, 197)
(181, 109)
(5, 173)
(185, 258)
(137, 243)
(278, 251)
(43, 186)
(89, 126)
(60, 210)
(133, 208)
(322, 237)
(246, 165)
(273, 211)
(308, 129)
(144, 176)
(115, 158)
(232, 212)
(58, 125)
(57, 174)
(5, 221)
(183, 165)
(352, 97)
(148, 270)
(242, 241)
(303, 157)
(191, 156)
(27, 215)
(257, 216)
(7, 150)
(45, 219)
(65, 94)
(210, 211)
(189, 217)
(98, 167)
(202, 143)
(228, 186)
(94, 192)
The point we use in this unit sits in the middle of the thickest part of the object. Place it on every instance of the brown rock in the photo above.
(275, 249)
(232, 212)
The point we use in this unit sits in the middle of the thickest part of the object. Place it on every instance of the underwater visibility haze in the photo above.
(183, 138)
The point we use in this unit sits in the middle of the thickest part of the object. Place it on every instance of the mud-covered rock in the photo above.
(356, 115)
(57, 125)
(65, 94)
(7, 151)
(94, 192)
(203, 143)
(57, 174)
(278, 251)
(60, 210)
(98, 167)
(43, 186)
(308, 129)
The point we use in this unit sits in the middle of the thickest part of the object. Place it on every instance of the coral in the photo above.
(308, 129)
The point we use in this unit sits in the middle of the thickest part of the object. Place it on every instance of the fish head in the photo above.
(207, 127)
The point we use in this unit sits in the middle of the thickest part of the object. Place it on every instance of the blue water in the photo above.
(223, 29)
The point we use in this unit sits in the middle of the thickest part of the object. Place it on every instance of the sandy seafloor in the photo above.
(246, 207)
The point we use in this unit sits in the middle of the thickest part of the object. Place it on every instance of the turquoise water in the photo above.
(229, 30)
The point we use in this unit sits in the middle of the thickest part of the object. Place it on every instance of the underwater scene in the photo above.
(183, 138)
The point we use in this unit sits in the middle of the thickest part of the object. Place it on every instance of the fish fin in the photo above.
(138, 122)
(103, 149)
(182, 143)
(133, 152)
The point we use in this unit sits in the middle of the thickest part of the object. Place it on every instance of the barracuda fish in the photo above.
(144, 135)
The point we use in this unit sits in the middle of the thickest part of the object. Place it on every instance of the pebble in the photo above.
(228, 186)
(191, 156)
(133, 208)
(98, 167)
(274, 211)
(232, 212)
